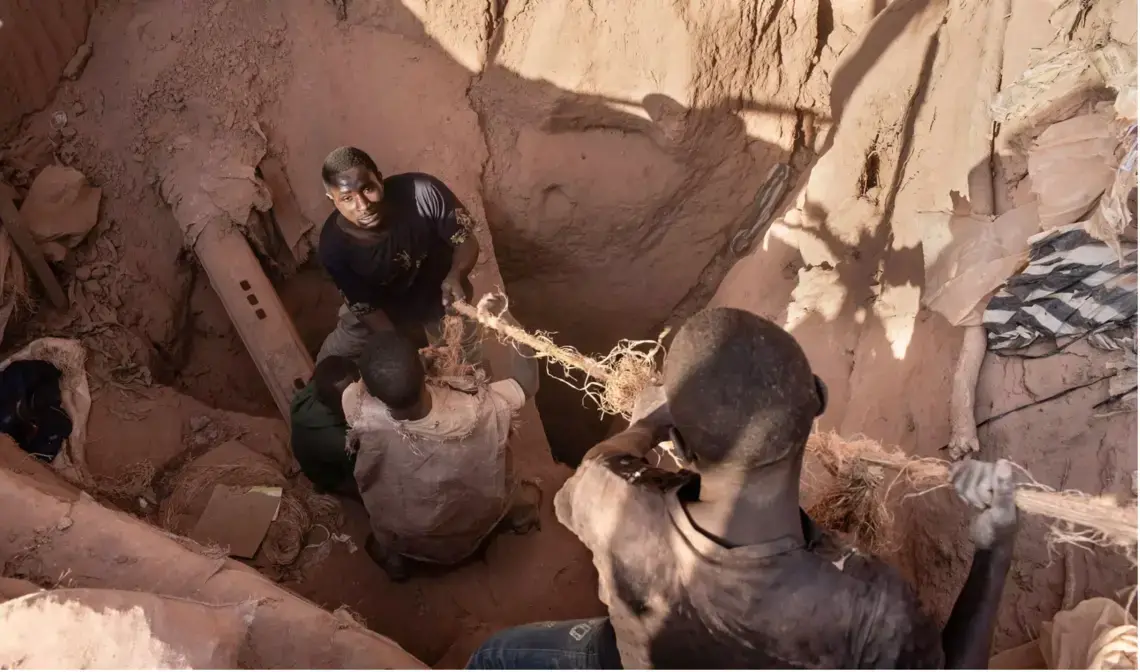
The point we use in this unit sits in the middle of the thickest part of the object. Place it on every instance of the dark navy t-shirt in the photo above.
(399, 270)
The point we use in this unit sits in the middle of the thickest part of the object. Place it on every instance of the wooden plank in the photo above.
(29, 250)
(256, 312)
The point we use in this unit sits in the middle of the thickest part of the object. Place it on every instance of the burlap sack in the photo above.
(1097, 634)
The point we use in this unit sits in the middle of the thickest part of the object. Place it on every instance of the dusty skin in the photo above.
(611, 176)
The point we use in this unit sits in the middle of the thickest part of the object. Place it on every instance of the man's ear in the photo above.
(821, 392)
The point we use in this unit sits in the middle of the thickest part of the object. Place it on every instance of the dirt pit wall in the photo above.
(159, 79)
(843, 270)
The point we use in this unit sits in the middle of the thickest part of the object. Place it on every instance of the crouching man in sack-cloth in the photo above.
(717, 566)
(433, 463)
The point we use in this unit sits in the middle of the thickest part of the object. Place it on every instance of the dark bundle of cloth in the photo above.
(31, 408)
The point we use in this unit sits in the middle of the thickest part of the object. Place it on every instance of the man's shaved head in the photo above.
(740, 390)
(392, 370)
(342, 159)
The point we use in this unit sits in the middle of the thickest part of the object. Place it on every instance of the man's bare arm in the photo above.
(463, 259)
(637, 441)
(968, 634)
(465, 256)
(650, 426)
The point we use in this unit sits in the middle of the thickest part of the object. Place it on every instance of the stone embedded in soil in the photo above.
(75, 66)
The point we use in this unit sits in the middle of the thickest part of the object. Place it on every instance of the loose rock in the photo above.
(75, 66)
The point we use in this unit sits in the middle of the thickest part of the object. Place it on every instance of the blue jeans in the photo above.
(587, 644)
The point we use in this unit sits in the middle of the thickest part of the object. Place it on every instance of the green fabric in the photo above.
(318, 438)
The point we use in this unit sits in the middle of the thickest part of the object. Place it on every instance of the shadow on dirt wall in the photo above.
(564, 296)
(573, 427)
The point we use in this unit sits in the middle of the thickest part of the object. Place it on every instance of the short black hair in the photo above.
(741, 391)
(330, 378)
(344, 158)
(392, 370)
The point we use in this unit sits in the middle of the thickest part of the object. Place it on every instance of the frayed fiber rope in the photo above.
(613, 381)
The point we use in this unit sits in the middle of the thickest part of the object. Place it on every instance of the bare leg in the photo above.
(963, 425)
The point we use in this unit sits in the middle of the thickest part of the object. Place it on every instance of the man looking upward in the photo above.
(399, 249)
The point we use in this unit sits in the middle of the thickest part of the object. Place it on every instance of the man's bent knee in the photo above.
(347, 340)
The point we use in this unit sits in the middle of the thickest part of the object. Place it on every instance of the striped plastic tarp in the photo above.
(1074, 286)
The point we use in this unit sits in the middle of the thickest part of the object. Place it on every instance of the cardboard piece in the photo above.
(238, 518)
